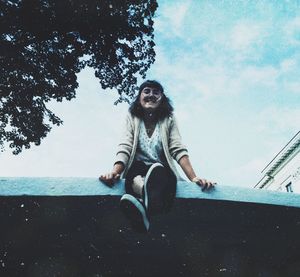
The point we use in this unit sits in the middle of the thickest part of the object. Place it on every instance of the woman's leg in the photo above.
(138, 168)
(159, 189)
(130, 203)
(169, 192)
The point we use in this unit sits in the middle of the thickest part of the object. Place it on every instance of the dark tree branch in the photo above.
(42, 45)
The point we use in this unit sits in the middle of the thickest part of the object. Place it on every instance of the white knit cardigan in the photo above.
(171, 141)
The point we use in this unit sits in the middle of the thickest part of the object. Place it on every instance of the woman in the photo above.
(145, 157)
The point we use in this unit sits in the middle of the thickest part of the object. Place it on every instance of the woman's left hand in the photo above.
(203, 183)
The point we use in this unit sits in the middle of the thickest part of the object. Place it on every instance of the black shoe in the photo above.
(152, 195)
(135, 212)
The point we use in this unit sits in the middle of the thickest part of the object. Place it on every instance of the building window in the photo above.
(289, 187)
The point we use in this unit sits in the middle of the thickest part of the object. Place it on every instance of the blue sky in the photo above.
(231, 69)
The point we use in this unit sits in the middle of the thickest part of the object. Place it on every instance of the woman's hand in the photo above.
(186, 165)
(110, 178)
(203, 183)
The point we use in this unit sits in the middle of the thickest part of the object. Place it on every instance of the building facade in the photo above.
(283, 172)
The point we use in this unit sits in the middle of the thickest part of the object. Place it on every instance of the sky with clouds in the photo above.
(231, 69)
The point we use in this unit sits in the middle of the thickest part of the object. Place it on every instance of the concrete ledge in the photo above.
(73, 227)
(91, 186)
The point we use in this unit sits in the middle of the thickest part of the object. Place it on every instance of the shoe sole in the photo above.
(150, 200)
(135, 212)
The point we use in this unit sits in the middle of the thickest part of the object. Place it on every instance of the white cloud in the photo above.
(279, 120)
(294, 87)
(195, 74)
(246, 34)
(263, 76)
(289, 74)
(171, 17)
(247, 40)
(288, 65)
(291, 31)
(247, 174)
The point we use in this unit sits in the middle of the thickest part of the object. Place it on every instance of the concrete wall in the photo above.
(73, 227)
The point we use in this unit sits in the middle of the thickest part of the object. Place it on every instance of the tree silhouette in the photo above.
(44, 43)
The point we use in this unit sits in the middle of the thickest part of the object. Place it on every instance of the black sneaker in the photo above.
(152, 189)
(135, 212)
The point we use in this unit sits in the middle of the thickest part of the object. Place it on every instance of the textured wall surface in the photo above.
(91, 186)
(73, 227)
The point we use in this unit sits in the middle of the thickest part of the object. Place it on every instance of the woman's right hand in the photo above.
(110, 178)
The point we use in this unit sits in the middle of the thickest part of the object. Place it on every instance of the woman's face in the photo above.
(150, 98)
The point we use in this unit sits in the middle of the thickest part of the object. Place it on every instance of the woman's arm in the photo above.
(123, 154)
(110, 178)
(187, 168)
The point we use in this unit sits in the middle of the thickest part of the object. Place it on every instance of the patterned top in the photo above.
(150, 149)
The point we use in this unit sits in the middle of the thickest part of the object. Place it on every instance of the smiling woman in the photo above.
(145, 157)
(151, 93)
(150, 98)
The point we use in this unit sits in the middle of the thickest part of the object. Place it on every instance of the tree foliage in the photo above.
(45, 43)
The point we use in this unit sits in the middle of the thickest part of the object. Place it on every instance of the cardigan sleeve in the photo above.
(176, 148)
(126, 143)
